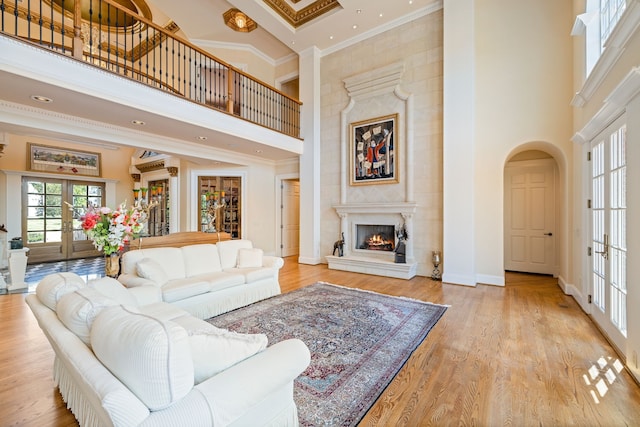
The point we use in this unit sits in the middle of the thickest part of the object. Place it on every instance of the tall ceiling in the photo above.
(292, 26)
(285, 29)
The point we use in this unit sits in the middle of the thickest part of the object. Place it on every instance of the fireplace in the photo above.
(369, 232)
(375, 237)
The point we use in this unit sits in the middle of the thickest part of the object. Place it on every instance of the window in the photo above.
(597, 24)
(610, 13)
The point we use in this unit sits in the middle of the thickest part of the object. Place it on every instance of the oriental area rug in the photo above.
(359, 340)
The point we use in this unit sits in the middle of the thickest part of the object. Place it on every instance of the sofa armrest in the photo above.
(132, 281)
(146, 294)
(272, 261)
(233, 392)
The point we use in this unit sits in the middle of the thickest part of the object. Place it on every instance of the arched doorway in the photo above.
(532, 222)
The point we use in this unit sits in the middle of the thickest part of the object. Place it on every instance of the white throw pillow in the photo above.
(111, 288)
(77, 310)
(52, 287)
(152, 270)
(215, 350)
(250, 258)
(150, 356)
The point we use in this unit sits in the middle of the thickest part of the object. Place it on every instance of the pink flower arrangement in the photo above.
(111, 229)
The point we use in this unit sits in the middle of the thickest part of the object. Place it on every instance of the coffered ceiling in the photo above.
(292, 26)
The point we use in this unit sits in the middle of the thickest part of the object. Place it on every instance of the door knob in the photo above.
(548, 234)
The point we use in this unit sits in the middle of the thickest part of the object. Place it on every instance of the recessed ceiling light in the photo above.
(138, 122)
(355, 27)
(258, 151)
(330, 37)
(358, 10)
(202, 138)
(41, 98)
(380, 15)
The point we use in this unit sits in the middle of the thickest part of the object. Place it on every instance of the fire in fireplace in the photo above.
(375, 237)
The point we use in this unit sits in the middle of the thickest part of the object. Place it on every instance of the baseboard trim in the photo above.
(488, 279)
(458, 279)
(309, 260)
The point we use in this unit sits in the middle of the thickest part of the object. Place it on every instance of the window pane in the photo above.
(54, 188)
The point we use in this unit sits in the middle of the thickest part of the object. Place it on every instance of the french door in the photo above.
(608, 233)
(51, 229)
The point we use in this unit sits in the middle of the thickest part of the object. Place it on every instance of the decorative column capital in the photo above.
(173, 171)
(136, 177)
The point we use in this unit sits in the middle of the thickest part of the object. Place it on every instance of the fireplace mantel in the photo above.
(381, 264)
(404, 209)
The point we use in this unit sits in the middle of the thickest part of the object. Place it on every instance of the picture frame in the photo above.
(43, 158)
(373, 149)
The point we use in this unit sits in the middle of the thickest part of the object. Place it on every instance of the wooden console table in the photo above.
(179, 239)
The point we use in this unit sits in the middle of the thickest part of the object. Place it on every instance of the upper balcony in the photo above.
(83, 39)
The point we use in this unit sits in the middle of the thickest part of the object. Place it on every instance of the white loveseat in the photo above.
(205, 279)
(123, 358)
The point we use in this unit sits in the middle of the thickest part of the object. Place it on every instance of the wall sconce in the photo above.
(238, 21)
(436, 259)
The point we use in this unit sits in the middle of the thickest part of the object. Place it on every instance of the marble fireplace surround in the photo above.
(378, 263)
(376, 93)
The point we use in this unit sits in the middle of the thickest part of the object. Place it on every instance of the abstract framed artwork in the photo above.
(373, 151)
(43, 158)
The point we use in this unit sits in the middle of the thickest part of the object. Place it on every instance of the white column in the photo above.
(458, 261)
(310, 159)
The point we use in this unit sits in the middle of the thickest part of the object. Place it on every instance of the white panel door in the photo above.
(608, 233)
(290, 217)
(530, 217)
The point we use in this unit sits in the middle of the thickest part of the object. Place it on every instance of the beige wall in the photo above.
(115, 163)
(523, 86)
(419, 46)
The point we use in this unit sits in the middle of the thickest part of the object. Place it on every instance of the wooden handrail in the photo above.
(138, 52)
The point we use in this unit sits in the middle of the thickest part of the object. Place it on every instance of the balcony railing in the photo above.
(110, 36)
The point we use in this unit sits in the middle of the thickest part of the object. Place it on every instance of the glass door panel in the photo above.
(608, 218)
(52, 229)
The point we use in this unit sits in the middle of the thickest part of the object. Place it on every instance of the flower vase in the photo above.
(112, 265)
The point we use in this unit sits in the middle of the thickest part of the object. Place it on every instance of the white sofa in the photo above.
(205, 279)
(124, 358)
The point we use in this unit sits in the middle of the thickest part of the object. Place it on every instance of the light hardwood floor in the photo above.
(523, 354)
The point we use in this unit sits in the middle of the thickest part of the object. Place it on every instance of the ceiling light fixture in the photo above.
(238, 21)
(41, 98)
(202, 138)
(138, 122)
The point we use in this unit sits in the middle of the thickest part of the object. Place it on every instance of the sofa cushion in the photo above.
(201, 259)
(163, 311)
(179, 289)
(228, 250)
(253, 274)
(150, 356)
(223, 280)
(150, 269)
(52, 287)
(110, 287)
(214, 350)
(170, 259)
(77, 310)
(249, 257)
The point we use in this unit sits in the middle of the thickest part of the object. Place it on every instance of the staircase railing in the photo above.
(110, 36)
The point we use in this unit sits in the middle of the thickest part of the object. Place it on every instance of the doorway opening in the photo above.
(531, 219)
